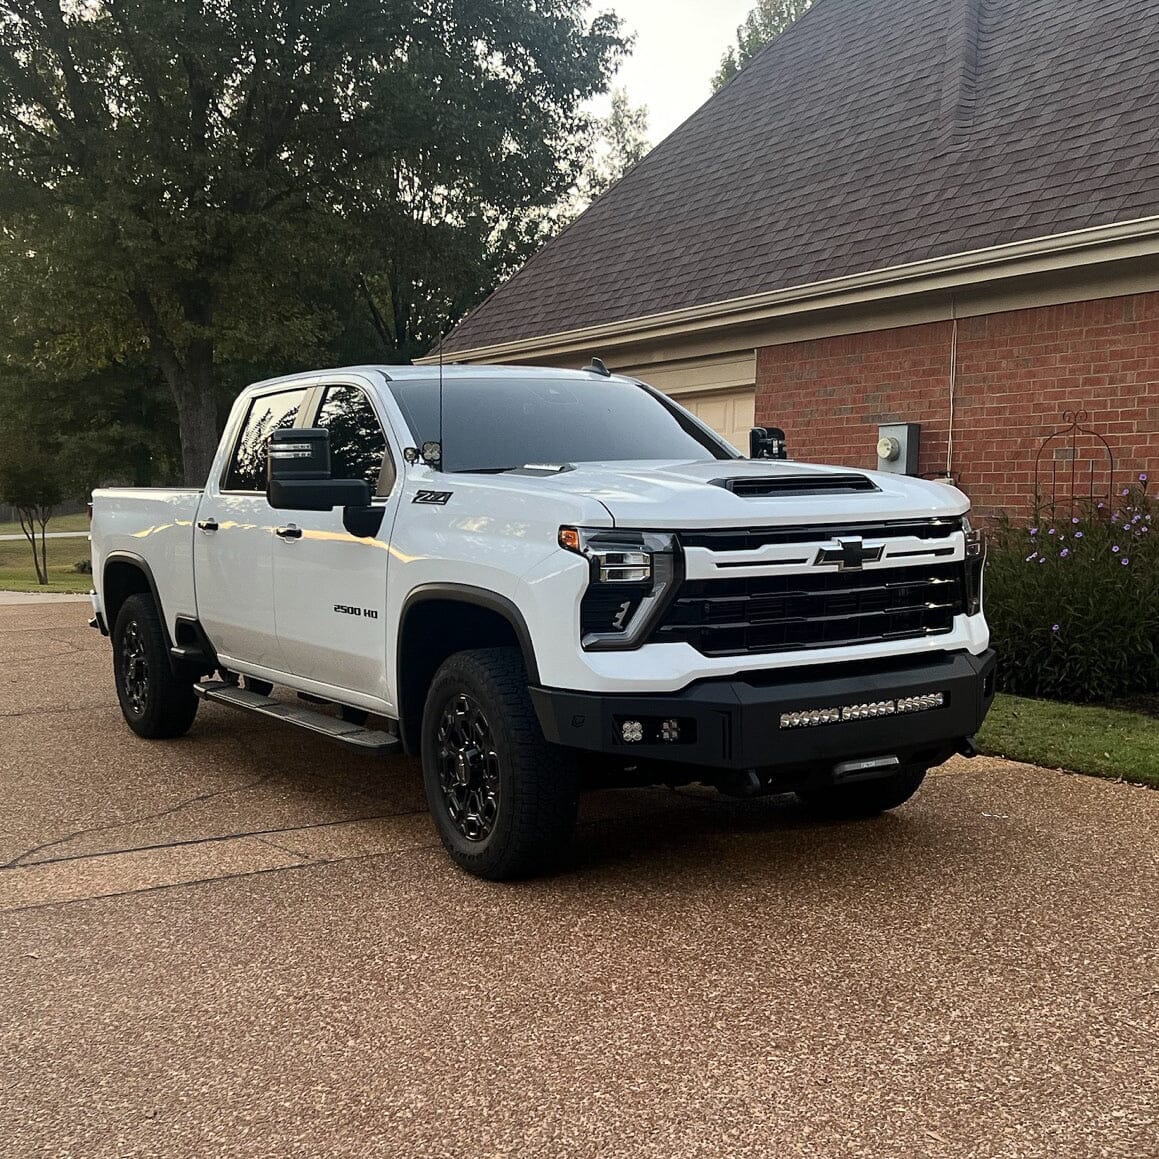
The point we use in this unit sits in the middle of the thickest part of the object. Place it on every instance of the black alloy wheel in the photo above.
(134, 670)
(468, 768)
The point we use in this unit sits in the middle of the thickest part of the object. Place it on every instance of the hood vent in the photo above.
(791, 485)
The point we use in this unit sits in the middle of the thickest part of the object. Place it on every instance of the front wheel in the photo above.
(864, 799)
(503, 800)
(155, 703)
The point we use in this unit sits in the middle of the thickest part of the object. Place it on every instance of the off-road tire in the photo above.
(864, 799)
(155, 703)
(535, 812)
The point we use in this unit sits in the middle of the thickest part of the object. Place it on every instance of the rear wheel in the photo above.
(503, 800)
(864, 799)
(155, 703)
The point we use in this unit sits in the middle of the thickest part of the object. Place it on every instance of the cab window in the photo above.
(357, 442)
(267, 413)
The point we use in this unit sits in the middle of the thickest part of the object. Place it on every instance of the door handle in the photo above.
(209, 524)
(290, 532)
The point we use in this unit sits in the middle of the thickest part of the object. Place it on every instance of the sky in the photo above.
(679, 44)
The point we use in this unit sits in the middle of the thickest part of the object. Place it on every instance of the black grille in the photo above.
(722, 617)
(750, 538)
(786, 485)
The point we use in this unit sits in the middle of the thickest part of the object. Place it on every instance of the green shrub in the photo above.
(1073, 602)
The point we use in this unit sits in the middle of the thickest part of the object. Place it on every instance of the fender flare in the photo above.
(464, 594)
(142, 565)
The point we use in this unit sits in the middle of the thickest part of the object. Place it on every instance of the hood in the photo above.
(677, 495)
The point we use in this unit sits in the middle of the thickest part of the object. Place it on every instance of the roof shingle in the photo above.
(871, 134)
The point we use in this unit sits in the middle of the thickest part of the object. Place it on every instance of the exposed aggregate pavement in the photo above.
(247, 943)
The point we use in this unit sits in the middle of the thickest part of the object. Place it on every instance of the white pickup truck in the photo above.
(537, 579)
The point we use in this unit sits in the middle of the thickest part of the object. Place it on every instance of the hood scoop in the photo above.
(773, 486)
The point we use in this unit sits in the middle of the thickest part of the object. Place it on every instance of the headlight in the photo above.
(632, 575)
(975, 563)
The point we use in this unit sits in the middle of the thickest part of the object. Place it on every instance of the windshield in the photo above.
(495, 424)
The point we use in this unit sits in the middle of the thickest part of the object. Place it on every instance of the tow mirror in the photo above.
(767, 443)
(298, 464)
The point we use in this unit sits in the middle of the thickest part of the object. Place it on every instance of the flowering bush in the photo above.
(1073, 602)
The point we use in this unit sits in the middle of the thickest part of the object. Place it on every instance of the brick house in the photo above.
(943, 212)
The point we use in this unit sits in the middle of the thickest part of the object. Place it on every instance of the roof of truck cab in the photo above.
(431, 374)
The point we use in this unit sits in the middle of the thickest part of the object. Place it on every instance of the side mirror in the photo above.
(767, 443)
(298, 465)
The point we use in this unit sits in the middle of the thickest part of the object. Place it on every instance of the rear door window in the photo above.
(267, 413)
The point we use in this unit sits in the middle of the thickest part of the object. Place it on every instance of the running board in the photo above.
(355, 736)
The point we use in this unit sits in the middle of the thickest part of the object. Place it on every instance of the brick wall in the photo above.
(1016, 374)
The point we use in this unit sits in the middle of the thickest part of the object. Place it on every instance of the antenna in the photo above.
(442, 338)
(596, 366)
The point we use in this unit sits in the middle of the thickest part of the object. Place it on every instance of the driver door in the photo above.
(329, 585)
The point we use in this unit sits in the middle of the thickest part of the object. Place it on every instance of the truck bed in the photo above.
(154, 525)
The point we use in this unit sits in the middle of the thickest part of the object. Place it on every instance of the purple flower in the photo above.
(1051, 531)
(1033, 532)
(1078, 535)
(1054, 628)
(1143, 477)
(1126, 490)
(1074, 519)
(1064, 553)
(1101, 506)
(1042, 559)
(1031, 556)
(1126, 561)
(1115, 549)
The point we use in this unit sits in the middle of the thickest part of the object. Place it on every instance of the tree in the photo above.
(30, 482)
(230, 186)
(768, 19)
(621, 141)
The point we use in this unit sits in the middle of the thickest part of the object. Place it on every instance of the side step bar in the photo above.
(355, 736)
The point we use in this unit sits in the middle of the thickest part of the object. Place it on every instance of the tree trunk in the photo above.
(197, 422)
(190, 378)
(44, 546)
(28, 526)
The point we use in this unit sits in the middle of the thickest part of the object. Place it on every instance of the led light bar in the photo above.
(812, 717)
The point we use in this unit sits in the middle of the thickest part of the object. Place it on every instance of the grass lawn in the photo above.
(18, 575)
(1104, 742)
(57, 523)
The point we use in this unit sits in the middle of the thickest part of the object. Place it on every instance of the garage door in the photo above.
(729, 412)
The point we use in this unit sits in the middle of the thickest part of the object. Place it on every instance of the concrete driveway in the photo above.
(247, 943)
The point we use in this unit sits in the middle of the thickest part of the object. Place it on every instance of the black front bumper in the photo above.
(736, 723)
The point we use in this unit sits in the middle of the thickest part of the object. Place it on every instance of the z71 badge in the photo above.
(438, 497)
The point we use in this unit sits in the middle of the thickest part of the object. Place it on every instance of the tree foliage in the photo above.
(211, 190)
(621, 141)
(768, 19)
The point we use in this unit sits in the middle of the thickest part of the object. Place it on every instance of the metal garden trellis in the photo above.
(1065, 445)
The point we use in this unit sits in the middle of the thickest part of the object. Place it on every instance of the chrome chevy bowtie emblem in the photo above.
(850, 554)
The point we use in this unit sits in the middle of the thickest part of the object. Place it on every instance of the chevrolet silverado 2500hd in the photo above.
(531, 578)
